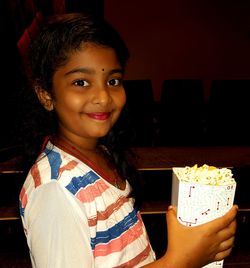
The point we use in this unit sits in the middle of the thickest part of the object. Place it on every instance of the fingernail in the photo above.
(170, 207)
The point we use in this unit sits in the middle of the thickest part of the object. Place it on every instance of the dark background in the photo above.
(184, 39)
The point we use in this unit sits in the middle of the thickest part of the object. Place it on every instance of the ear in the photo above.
(45, 98)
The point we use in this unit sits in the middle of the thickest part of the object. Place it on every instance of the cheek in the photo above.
(120, 100)
(68, 103)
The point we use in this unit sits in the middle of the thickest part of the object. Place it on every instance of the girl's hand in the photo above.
(197, 246)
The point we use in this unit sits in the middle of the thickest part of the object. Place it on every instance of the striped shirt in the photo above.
(73, 217)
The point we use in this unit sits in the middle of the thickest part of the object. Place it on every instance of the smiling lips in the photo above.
(99, 116)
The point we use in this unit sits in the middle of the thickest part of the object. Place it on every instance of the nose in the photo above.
(101, 95)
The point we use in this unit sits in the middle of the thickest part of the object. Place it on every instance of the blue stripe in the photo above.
(82, 181)
(115, 231)
(21, 209)
(55, 162)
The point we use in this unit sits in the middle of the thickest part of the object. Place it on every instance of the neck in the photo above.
(81, 145)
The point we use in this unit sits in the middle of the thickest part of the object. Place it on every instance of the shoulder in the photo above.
(55, 164)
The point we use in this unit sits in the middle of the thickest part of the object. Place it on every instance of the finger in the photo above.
(229, 231)
(225, 249)
(171, 215)
(224, 221)
(222, 255)
(172, 221)
(227, 244)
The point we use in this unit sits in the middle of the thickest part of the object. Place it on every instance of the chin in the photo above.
(101, 134)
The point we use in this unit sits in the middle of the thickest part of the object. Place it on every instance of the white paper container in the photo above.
(198, 203)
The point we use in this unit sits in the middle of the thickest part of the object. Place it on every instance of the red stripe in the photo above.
(104, 215)
(69, 166)
(138, 259)
(23, 197)
(96, 190)
(120, 242)
(36, 175)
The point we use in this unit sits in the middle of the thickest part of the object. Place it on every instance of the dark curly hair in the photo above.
(57, 39)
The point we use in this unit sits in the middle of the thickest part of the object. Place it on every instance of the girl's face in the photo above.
(88, 95)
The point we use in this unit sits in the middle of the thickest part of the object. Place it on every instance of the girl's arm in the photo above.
(194, 247)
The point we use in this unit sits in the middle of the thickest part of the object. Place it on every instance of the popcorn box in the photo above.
(202, 194)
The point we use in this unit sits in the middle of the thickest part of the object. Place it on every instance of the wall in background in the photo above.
(184, 39)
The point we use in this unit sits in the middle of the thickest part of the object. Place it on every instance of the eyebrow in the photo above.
(114, 71)
(91, 71)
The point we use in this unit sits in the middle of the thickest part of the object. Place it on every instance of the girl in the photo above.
(76, 204)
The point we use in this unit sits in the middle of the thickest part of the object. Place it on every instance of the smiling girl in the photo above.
(76, 203)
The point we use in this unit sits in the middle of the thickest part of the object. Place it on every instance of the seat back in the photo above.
(140, 103)
(181, 112)
(229, 112)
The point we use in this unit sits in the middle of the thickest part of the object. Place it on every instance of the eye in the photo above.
(81, 83)
(114, 82)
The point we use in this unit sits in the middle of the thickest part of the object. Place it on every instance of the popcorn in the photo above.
(205, 174)
(202, 194)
